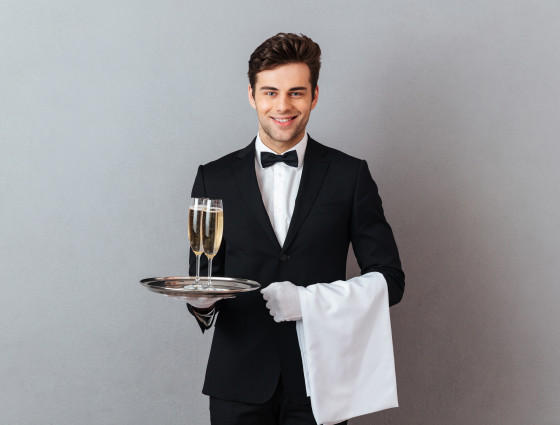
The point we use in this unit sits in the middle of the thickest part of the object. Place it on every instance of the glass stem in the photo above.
(197, 279)
(209, 272)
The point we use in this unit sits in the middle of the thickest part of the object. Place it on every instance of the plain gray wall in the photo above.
(107, 108)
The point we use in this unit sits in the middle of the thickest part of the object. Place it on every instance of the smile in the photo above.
(282, 120)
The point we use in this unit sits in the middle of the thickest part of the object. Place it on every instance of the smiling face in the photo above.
(283, 99)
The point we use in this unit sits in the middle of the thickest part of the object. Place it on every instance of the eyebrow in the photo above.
(269, 88)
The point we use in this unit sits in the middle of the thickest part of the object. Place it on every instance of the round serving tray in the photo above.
(181, 287)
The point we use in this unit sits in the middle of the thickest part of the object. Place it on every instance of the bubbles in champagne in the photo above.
(195, 229)
(213, 228)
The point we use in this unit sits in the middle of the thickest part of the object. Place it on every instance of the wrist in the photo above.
(203, 310)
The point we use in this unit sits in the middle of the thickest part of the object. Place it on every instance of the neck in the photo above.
(280, 147)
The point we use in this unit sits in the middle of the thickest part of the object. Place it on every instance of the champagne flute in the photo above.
(212, 231)
(195, 232)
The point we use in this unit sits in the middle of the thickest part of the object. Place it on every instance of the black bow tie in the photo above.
(289, 158)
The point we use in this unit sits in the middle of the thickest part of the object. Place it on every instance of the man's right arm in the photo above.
(204, 316)
(204, 309)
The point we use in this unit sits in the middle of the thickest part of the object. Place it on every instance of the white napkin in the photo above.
(347, 348)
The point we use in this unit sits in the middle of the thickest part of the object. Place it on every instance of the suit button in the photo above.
(284, 258)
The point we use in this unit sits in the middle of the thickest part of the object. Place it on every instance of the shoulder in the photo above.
(348, 169)
(226, 160)
(231, 157)
(335, 156)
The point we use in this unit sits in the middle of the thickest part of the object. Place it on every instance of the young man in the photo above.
(293, 206)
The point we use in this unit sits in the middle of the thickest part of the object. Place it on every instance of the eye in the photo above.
(297, 94)
(269, 93)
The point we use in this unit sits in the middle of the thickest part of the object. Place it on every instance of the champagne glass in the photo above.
(212, 231)
(195, 232)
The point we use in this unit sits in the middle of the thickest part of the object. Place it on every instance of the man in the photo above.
(289, 222)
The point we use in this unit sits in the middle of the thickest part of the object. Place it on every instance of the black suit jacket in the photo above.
(337, 204)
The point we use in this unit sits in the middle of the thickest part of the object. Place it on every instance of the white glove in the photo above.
(205, 302)
(283, 301)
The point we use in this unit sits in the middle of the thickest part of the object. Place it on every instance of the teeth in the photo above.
(283, 120)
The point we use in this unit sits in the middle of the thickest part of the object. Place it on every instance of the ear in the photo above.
(251, 97)
(315, 98)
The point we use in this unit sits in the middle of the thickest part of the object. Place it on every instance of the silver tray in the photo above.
(182, 287)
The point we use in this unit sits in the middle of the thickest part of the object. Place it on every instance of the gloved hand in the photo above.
(283, 301)
(205, 302)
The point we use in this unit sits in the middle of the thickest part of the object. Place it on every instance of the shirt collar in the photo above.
(299, 148)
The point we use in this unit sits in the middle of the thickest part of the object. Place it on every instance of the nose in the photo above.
(284, 103)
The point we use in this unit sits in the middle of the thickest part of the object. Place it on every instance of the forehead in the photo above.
(285, 76)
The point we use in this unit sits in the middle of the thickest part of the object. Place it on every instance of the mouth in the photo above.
(284, 121)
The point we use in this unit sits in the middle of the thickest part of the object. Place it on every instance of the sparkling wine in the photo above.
(195, 229)
(213, 229)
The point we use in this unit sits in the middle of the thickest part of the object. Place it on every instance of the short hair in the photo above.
(282, 49)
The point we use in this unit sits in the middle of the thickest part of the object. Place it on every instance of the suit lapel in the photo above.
(244, 171)
(315, 168)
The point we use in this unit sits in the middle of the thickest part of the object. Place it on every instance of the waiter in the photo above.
(291, 206)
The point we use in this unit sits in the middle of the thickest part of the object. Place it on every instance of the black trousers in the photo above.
(279, 410)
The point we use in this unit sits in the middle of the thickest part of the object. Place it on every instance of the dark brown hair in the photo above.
(282, 49)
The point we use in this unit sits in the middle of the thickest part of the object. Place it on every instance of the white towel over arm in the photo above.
(347, 348)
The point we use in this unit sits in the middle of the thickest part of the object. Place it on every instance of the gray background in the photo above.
(107, 108)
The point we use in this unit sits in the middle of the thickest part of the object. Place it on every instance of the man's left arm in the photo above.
(372, 238)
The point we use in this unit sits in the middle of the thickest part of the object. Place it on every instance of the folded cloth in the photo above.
(347, 348)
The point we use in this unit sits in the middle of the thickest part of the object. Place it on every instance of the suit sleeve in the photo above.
(205, 321)
(372, 238)
(199, 190)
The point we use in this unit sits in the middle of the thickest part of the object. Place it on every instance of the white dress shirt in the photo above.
(279, 186)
